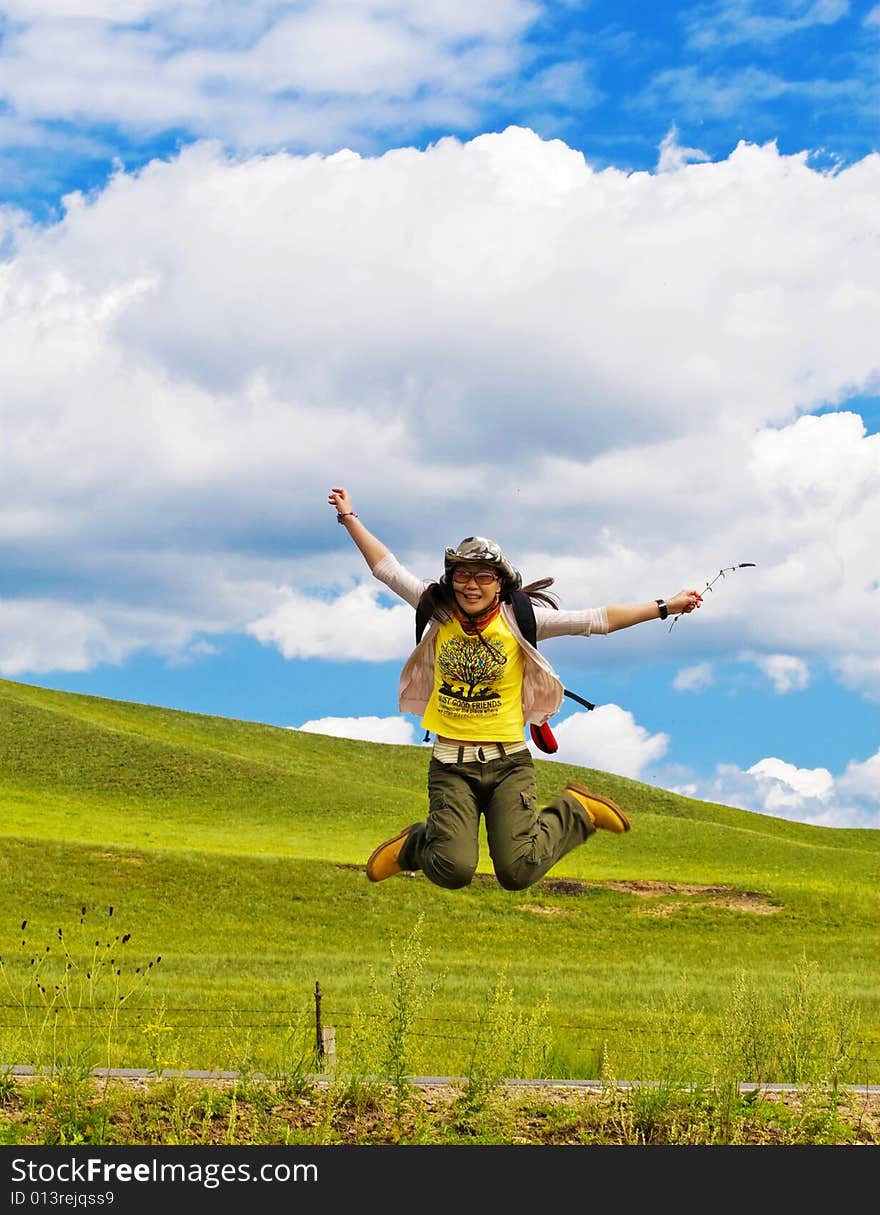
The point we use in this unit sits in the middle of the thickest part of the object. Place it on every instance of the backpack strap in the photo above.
(423, 615)
(588, 704)
(524, 611)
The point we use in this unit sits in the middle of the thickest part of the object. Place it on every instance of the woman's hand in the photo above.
(339, 499)
(373, 550)
(684, 602)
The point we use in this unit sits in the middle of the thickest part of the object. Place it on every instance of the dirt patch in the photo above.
(566, 886)
(719, 896)
(643, 888)
(750, 901)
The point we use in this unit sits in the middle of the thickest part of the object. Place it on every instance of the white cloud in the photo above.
(786, 672)
(673, 155)
(370, 729)
(50, 636)
(724, 93)
(826, 458)
(193, 355)
(806, 795)
(608, 738)
(41, 635)
(790, 786)
(310, 72)
(860, 673)
(353, 626)
(732, 22)
(862, 779)
(694, 679)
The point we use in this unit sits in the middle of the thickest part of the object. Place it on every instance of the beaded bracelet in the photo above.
(344, 515)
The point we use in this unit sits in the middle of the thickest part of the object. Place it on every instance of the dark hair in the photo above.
(438, 599)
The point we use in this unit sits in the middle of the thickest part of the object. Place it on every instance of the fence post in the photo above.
(328, 1041)
(319, 1036)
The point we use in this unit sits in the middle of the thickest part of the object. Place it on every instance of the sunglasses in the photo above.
(481, 577)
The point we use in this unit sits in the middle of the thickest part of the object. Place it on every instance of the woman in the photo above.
(475, 682)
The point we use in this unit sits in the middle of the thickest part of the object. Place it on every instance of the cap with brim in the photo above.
(477, 550)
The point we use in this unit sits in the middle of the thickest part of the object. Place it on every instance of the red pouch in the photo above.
(542, 737)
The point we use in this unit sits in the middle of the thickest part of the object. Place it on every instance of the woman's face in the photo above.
(475, 587)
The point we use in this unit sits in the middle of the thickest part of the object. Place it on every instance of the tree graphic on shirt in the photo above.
(473, 664)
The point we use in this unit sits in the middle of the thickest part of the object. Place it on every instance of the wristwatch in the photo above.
(664, 610)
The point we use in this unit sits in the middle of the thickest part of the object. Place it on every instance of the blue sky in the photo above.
(597, 280)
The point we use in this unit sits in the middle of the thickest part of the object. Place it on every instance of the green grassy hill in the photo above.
(235, 850)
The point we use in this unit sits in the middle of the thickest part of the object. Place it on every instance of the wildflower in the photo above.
(742, 565)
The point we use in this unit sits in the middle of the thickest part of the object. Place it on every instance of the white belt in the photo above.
(479, 753)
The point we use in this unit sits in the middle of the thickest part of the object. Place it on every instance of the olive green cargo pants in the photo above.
(523, 841)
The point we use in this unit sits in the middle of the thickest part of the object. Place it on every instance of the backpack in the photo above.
(524, 610)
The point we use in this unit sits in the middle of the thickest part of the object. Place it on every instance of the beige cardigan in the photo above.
(542, 690)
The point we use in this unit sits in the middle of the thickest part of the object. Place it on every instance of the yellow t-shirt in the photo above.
(477, 685)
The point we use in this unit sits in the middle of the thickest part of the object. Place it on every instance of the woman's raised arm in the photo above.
(373, 550)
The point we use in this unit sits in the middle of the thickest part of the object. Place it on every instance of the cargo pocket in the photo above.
(529, 801)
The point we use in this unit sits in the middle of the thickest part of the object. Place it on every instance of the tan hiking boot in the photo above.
(604, 814)
(384, 861)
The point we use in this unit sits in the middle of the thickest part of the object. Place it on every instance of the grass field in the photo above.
(231, 854)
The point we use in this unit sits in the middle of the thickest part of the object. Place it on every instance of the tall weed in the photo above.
(507, 1045)
(69, 994)
(395, 1017)
(807, 1034)
(818, 1029)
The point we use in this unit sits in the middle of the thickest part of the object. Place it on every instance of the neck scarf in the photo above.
(476, 624)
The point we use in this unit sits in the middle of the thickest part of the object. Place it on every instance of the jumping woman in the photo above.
(476, 683)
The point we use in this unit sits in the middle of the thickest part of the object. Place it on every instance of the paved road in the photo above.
(139, 1073)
